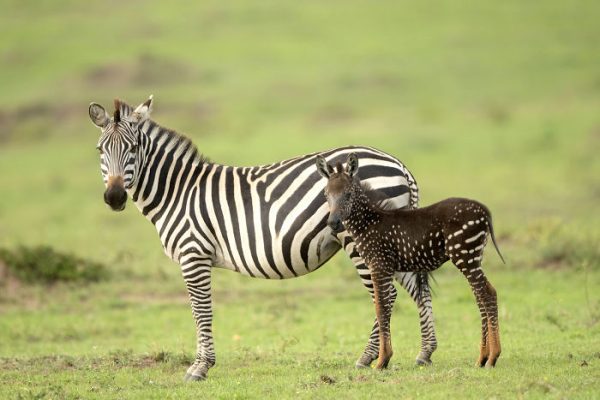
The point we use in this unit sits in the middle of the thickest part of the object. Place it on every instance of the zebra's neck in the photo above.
(362, 213)
(167, 162)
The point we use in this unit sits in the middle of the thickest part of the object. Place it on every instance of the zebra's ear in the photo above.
(352, 164)
(142, 112)
(323, 168)
(98, 115)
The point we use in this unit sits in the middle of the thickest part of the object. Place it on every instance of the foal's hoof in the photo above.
(423, 363)
(491, 362)
(194, 378)
(481, 362)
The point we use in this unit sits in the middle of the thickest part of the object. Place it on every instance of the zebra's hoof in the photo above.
(423, 363)
(194, 378)
(364, 361)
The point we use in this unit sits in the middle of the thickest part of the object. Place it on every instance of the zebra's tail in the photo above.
(422, 280)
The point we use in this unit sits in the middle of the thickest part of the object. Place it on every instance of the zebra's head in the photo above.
(339, 189)
(119, 147)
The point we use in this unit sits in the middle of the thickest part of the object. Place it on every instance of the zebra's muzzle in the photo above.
(115, 196)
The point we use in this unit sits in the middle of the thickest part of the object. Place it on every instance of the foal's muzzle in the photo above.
(115, 196)
(336, 225)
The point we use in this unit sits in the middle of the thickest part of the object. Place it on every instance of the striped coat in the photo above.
(266, 221)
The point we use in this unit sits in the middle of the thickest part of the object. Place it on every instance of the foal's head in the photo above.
(338, 189)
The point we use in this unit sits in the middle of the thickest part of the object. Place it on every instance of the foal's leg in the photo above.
(382, 285)
(371, 351)
(491, 301)
(484, 349)
(409, 281)
(485, 294)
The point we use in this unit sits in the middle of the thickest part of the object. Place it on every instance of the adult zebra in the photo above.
(267, 221)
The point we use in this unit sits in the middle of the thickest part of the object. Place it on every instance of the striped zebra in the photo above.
(267, 221)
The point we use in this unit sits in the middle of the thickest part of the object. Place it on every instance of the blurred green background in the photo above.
(497, 101)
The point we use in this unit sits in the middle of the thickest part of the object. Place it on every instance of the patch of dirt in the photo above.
(335, 114)
(18, 122)
(40, 120)
(9, 285)
(120, 359)
(154, 298)
(147, 69)
(112, 75)
(499, 114)
(554, 262)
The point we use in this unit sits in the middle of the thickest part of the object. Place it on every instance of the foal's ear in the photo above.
(142, 112)
(324, 169)
(98, 115)
(352, 164)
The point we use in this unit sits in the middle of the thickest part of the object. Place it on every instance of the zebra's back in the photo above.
(270, 221)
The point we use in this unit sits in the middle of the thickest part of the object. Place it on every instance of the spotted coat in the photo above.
(415, 240)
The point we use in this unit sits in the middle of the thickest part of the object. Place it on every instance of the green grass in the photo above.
(494, 101)
(292, 338)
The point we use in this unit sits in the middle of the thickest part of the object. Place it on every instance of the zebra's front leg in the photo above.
(196, 272)
(417, 285)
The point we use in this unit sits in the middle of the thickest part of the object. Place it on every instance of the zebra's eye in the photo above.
(134, 148)
(99, 150)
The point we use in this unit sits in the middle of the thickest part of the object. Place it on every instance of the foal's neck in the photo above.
(363, 213)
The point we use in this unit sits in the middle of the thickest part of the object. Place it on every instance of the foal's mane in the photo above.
(377, 199)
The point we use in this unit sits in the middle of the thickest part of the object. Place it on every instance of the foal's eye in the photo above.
(134, 148)
(99, 150)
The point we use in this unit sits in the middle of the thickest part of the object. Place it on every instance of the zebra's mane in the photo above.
(181, 142)
(123, 109)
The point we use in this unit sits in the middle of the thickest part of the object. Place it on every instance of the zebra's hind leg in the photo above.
(417, 286)
(196, 270)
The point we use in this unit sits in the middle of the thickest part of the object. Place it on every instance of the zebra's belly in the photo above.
(278, 266)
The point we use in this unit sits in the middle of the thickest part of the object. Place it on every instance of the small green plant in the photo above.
(43, 264)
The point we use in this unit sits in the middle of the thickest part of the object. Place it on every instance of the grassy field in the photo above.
(494, 101)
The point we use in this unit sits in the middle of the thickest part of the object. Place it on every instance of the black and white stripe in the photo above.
(266, 221)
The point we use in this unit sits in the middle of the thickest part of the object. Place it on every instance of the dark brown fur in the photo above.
(418, 240)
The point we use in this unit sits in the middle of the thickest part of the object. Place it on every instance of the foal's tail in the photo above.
(494, 237)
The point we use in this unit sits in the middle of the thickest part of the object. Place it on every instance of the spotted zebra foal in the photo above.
(414, 240)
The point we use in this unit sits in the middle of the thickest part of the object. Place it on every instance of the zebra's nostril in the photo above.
(115, 197)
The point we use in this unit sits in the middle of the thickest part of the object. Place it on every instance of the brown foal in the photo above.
(416, 240)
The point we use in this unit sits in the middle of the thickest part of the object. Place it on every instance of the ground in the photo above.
(493, 101)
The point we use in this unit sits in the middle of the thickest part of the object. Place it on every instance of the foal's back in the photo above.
(425, 238)
(446, 216)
